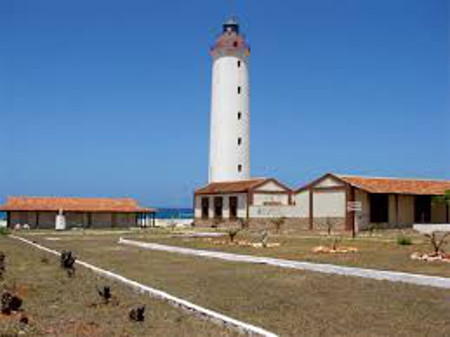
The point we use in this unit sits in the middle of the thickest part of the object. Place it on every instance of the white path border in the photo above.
(393, 276)
(204, 313)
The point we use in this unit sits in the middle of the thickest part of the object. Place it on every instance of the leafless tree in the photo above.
(336, 241)
(438, 241)
(265, 238)
(278, 223)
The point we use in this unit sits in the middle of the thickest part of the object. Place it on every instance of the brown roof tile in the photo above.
(125, 205)
(397, 185)
(241, 186)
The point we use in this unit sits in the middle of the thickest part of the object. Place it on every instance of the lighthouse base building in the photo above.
(346, 203)
(243, 199)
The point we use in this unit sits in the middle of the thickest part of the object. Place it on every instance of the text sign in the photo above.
(353, 206)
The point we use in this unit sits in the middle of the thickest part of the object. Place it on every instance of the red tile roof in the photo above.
(397, 185)
(240, 186)
(122, 205)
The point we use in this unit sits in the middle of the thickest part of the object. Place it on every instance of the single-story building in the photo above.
(356, 202)
(240, 199)
(41, 212)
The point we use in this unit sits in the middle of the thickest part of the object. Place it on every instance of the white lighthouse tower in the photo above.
(229, 156)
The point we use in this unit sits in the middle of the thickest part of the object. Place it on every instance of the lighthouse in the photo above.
(229, 153)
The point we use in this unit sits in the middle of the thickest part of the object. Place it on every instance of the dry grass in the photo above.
(380, 251)
(59, 306)
(290, 303)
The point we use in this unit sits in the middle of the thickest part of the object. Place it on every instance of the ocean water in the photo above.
(175, 213)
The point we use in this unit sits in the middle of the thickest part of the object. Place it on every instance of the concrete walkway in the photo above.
(393, 276)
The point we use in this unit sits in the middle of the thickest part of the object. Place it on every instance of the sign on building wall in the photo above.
(354, 206)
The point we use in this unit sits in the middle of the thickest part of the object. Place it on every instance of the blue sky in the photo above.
(111, 98)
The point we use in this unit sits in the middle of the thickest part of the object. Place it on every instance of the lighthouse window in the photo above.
(239, 168)
(239, 90)
(239, 141)
(239, 64)
(239, 115)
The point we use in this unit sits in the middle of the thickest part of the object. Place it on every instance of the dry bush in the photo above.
(278, 223)
(137, 314)
(232, 233)
(244, 223)
(68, 262)
(265, 238)
(438, 241)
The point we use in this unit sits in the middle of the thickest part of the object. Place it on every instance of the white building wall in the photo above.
(301, 200)
(265, 198)
(274, 211)
(225, 127)
(362, 218)
(329, 182)
(329, 203)
(270, 186)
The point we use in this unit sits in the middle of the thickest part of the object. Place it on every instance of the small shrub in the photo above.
(278, 222)
(335, 243)
(216, 223)
(265, 238)
(244, 223)
(137, 314)
(232, 234)
(372, 227)
(10, 302)
(4, 231)
(105, 293)
(403, 240)
(330, 225)
(68, 262)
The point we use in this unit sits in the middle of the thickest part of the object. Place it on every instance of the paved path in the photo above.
(418, 279)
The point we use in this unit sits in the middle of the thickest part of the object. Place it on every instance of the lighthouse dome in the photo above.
(231, 25)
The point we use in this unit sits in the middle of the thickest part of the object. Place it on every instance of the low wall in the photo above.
(430, 228)
(275, 211)
(171, 222)
(289, 225)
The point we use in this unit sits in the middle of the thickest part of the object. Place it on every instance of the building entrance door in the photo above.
(233, 207)
(422, 209)
(218, 207)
